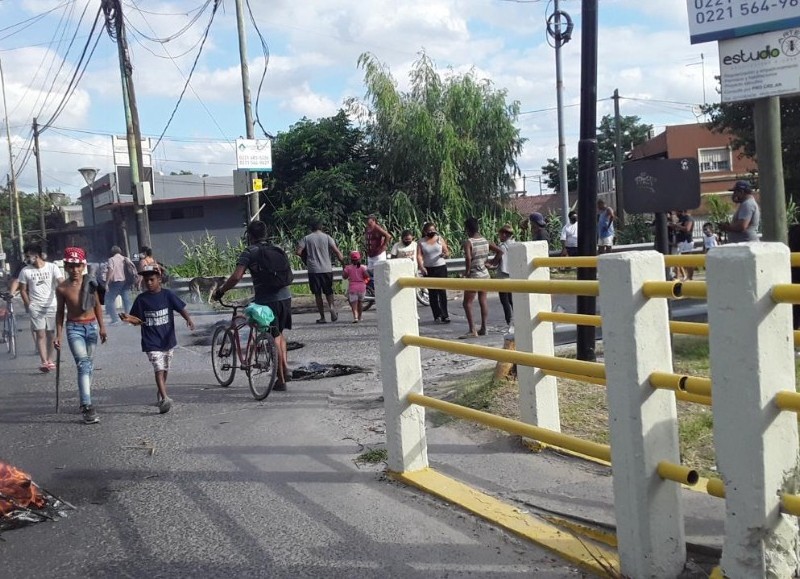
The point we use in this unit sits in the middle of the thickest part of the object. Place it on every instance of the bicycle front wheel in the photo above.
(11, 338)
(223, 356)
(263, 366)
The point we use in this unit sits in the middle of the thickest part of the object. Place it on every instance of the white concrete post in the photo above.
(752, 358)
(538, 393)
(643, 421)
(401, 367)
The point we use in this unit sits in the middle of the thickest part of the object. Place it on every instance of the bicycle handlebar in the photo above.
(230, 305)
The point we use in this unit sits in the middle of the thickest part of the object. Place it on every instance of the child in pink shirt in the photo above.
(357, 276)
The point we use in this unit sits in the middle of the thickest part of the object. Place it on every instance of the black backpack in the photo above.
(270, 269)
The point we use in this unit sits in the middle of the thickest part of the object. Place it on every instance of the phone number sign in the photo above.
(254, 154)
(721, 19)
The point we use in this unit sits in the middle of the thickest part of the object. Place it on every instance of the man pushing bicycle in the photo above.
(272, 275)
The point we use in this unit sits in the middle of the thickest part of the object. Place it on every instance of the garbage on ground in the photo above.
(315, 371)
(23, 502)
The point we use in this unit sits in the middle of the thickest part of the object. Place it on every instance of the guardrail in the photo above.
(454, 266)
(752, 357)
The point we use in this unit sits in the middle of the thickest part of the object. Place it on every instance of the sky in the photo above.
(314, 45)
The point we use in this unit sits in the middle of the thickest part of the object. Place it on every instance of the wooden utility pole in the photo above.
(42, 225)
(620, 195)
(253, 206)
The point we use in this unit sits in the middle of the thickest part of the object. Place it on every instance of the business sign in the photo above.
(760, 66)
(722, 19)
(255, 154)
(661, 185)
(121, 156)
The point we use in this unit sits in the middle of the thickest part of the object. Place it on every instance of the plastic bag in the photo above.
(262, 316)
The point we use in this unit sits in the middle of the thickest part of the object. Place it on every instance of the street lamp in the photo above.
(89, 174)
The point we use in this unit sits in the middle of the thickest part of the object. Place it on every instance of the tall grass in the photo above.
(207, 257)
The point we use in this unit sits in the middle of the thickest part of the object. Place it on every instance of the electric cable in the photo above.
(191, 72)
(143, 11)
(28, 22)
(80, 69)
(265, 51)
(179, 33)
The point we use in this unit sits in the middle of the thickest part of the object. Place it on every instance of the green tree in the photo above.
(321, 170)
(633, 132)
(553, 177)
(449, 144)
(737, 119)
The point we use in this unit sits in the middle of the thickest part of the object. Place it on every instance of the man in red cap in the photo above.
(78, 295)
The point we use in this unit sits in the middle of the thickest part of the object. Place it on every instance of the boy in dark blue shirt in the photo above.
(154, 310)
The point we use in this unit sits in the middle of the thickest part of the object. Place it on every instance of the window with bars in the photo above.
(714, 160)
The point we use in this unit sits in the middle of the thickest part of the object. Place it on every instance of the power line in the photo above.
(28, 22)
(179, 33)
(194, 92)
(191, 72)
(265, 51)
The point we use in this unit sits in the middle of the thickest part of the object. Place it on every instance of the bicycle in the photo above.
(9, 336)
(258, 357)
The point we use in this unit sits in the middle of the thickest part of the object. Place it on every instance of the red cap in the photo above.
(74, 255)
(355, 255)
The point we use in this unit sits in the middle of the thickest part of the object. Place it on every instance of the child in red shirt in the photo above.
(357, 276)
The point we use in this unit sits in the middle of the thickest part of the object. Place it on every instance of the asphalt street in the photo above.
(227, 486)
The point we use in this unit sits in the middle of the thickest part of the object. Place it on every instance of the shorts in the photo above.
(371, 261)
(43, 320)
(160, 360)
(685, 247)
(283, 314)
(572, 251)
(606, 241)
(321, 283)
(355, 297)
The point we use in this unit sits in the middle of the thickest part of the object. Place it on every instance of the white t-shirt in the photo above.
(710, 241)
(408, 251)
(569, 235)
(41, 284)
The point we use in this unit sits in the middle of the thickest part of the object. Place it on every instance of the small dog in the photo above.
(197, 285)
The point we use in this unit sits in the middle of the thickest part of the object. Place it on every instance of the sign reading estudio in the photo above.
(760, 66)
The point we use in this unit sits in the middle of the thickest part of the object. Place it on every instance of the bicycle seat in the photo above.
(6, 296)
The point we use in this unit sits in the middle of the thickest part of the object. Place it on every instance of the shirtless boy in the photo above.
(77, 294)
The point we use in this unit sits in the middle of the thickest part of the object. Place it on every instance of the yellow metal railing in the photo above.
(580, 288)
(576, 367)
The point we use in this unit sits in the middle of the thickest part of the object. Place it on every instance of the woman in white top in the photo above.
(506, 234)
(432, 251)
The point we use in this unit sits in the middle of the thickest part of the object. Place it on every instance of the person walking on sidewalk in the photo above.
(569, 236)
(476, 252)
(78, 296)
(120, 278)
(154, 311)
(37, 287)
(432, 251)
(605, 227)
(315, 249)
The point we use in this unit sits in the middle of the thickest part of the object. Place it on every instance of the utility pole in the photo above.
(113, 12)
(560, 39)
(12, 178)
(767, 124)
(620, 198)
(253, 206)
(39, 180)
(587, 171)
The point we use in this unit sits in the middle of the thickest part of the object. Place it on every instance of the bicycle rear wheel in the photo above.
(263, 366)
(223, 356)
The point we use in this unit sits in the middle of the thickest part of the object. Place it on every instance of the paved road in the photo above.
(234, 488)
